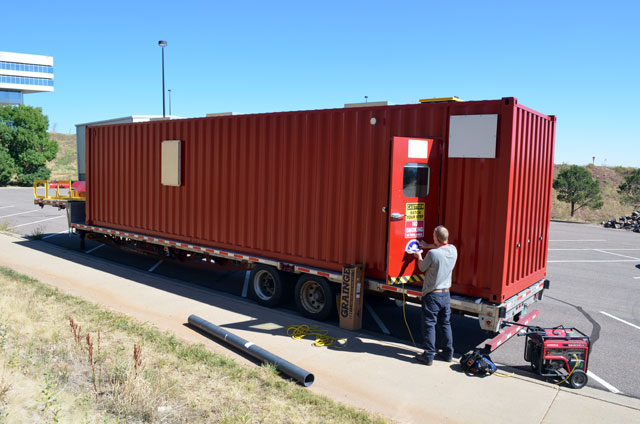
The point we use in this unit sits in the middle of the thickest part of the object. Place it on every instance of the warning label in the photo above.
(415, 211)
(414, 229)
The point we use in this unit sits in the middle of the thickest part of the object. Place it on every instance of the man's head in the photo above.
(440, 235)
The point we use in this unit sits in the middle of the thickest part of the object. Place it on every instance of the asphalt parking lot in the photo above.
(594, 273)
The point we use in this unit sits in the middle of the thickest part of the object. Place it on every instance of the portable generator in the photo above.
(558, 352)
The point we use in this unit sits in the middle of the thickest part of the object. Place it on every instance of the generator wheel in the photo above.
(314, 297)
(578, 379)
(266, 285)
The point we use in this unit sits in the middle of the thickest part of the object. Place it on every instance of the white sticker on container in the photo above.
(418, 149)
(247, 345)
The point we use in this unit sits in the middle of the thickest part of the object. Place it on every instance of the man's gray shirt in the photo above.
(437, 267)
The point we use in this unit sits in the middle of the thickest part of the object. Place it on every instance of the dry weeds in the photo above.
(66, 360)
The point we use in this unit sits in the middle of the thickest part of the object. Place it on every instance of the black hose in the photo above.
(301, 376)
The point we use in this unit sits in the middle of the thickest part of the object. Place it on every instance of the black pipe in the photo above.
(301, 376)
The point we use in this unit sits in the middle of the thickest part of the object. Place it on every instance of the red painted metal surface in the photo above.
(418, 216)
(309, 187)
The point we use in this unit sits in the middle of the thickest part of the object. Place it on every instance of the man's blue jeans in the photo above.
(436, 311)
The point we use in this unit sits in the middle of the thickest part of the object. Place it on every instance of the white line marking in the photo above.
(636, 278)
(246, 284)
(156, 265)
(95, 248)
(621, 320)
(616, 254)
(604, 383)
(577, 240)
(19, 213)
(377, 319)
(56, 234)
(612, 260)
(42, 220)
(5, 207)
(595, 249)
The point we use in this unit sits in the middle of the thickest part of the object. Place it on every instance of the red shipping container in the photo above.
(315, 187)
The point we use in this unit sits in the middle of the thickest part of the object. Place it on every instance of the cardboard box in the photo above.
(351, 297)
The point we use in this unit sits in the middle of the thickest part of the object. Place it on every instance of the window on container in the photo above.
(415, 182)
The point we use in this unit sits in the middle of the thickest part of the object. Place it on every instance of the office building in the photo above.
(22, 74)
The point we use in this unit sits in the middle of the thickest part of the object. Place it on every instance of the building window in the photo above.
(10, 79)
(26, 67)
(415, 181)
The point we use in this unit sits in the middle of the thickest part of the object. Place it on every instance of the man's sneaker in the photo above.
(423, 359)
(441, 356)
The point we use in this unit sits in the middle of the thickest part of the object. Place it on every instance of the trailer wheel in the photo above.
(578, 379)
(314, 297)
(266, 285)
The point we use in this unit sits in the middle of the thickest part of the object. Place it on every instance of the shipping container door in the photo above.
(413, 209)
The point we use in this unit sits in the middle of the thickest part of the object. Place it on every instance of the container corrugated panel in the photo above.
(498, 209)
(309, 187)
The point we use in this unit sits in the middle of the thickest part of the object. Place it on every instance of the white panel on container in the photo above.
(473, 136)
(418, 149)
(171, 158)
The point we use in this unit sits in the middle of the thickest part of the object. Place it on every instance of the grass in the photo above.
(63, 359)
(65, 165)
(6, 227)
(37, 233)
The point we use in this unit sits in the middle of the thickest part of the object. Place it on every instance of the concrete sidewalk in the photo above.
(372, 372)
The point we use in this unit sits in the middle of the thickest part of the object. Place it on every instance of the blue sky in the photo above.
(578, 60)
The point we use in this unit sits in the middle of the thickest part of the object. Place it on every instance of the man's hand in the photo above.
(426, 245)
(418, 255)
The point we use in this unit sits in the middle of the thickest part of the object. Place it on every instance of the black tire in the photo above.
(314, 297)
(578, 379)
(266, 285)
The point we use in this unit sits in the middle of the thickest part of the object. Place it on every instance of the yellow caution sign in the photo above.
(415, 211)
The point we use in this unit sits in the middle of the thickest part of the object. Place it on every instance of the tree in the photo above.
(7, 166)
(630, 189)
(24, 137)
(576, 186)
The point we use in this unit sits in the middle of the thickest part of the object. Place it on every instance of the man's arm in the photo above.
(425, 263)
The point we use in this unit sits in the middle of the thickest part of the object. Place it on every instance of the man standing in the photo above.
(436, 311)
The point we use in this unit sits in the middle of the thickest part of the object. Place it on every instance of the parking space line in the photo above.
(619, 319)
(42, 220)
(156, 265)
(5, 207)
(245, 287)
(616, 254)
(55, 234)
(604, 383)
(593, 261)
(577, 240)
(95, 248)
(595, 249)
(636, 278)
(19, 213)
(377, 319)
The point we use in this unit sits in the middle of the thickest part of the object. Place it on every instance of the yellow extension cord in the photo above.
(323, 339)
(574, 368)
(404, 314)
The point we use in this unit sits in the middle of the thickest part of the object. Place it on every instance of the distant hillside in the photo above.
(610, 179)
(65, 166)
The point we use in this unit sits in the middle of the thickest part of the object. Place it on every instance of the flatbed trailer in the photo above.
(490, 315)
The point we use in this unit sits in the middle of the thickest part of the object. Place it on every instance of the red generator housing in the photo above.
(559, 351)
(325, 188)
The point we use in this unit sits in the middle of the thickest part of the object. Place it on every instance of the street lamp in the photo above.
(169, 90)
(162, 44)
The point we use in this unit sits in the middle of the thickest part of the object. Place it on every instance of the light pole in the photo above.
(162, 44)
(169, 90)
